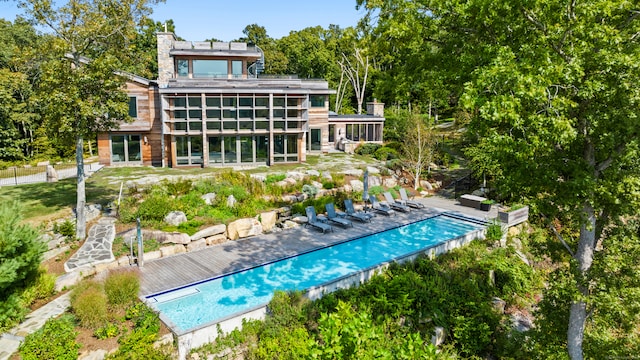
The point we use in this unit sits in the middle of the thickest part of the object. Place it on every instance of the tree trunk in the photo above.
(81, 218)
(584, 257)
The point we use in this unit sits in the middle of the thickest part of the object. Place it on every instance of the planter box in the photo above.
(471, 201)
(514, 217)
(485, 207)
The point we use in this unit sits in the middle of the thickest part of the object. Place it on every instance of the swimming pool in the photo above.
(219, 298)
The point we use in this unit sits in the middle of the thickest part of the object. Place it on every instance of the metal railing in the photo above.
(37, 174)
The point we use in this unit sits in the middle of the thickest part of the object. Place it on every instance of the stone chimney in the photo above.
(375, 108)
(166, 69)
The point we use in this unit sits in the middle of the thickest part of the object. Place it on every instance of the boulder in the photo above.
(353, 172)
(268, 220)
(357, 185)
(521, 322)
(231, 201)
(373, 170)
(259, 177)
(289, 224)
(92, 211)
(348, 188)
(166, 237)
(151, 255)
(438, 336)
(313, 172)
(390, 182)
(295, 175)
(316, 184)
(302, 197)
(426, 185)
(216, 239)
(242, 228)
(67, 280)
(175, 218)
(327, 175)
(210, 231)
(209, 198)
(197, 245)
(374, 181)
(498, 305)
(52, 174)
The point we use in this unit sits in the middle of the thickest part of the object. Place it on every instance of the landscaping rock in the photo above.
(390, 182)
(498, 305)
(299, 219)
(302, 197)
(67, 280)
(92, 211)
(313, 172)
(197, 245)
(374, 181)
(166, 237)
(289, 224)
(268, 220)
(353, 172)
(93, 355)
(357, 185)
(295, 175)
(327, 175)
(259, 177)
(426, 185)
(52, 174)
(242, 228)
(151, 255)
(521, 322)
(231, 201)
(347, 188)
(522, 257)
(438, 336)
(210, 231)
(516, 243)
(216, 239)
(316, 184)
(373, 170)
(175, 218)
(209, 198)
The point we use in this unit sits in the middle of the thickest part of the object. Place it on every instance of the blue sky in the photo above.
(224, 19)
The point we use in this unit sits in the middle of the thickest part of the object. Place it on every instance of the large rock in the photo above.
(175, 218)
(167, 237)
(438, 336)
(295, 175)
(231, 201)
(92, 211)
(197, 245)
(242, 228)
(426, 185)
(373, 170)
(268, 220)
(316, 184)
(210, 231)
(374, 181)
(259, 177)
(327, 176)
(313, 172)
(390, 182)
(357, 185)
(209, 198)
(353, 172)
(52, 174)
(216, 239)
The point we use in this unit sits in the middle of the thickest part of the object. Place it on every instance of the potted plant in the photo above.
(514, 215)
(485, 205)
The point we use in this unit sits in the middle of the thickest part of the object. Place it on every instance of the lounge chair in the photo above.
(352, 213)
(405, 199)
(333, 216)
(312, 219)
(394, 204)
(381, 208)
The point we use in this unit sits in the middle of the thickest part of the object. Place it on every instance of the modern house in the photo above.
(210, 106)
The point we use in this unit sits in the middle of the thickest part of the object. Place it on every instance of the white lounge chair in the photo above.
(394, 204)
(405, 199)
(381, 208)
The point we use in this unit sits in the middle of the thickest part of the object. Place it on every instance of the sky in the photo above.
(197, 20)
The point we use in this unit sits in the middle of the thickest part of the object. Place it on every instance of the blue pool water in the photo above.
(213, 300)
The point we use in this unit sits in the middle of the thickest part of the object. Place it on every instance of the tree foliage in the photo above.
(20, 254)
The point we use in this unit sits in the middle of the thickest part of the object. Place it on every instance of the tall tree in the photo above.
(79, 88)
(419, 145)
(555, 101)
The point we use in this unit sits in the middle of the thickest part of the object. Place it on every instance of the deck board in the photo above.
(183, 269)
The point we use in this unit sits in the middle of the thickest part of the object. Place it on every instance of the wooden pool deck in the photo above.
(183, 269)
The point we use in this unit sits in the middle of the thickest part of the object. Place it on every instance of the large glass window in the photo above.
(292, 147)
(125, 148)
(262, 101)
(262, 148)
(213, 114)
(278, 102)
(195, 101)
(117, 149)
(317, 100)
(236, 68)
(209, 68)
(213, 101)
(246, 101)
(188, 150)
(315, 139)
(246, 149)
(332, 130)
(133, 106)
(215, 150)
(180, 102)
(230, 149)
(285, 148)
(183, 67)
(349, 132)
(229, 101)
(262, 113)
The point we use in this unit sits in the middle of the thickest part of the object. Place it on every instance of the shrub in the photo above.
(274, 178)
(43, 287)
(55, 340)
(121, 287)
(367, 149)
(180, 187)
(310, 190)
(110, 330)
(376, 190)
(155, 208)
(385, 153)
(494, 232)
(89, 304)
(328, 185)
(66, 228)
(138, 344)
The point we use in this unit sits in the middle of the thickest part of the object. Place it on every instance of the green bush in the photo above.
(385, 153)
(109, 330)
(56, 340)
(494, 232)
(155, 208)
(89, 304)
(122, 287)
(367, 148)
(310, 190)
(376, 190)
(274, 178)
(43, 287)
(179, 187)
(138, 344)
(328, 184)
(66, 228)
